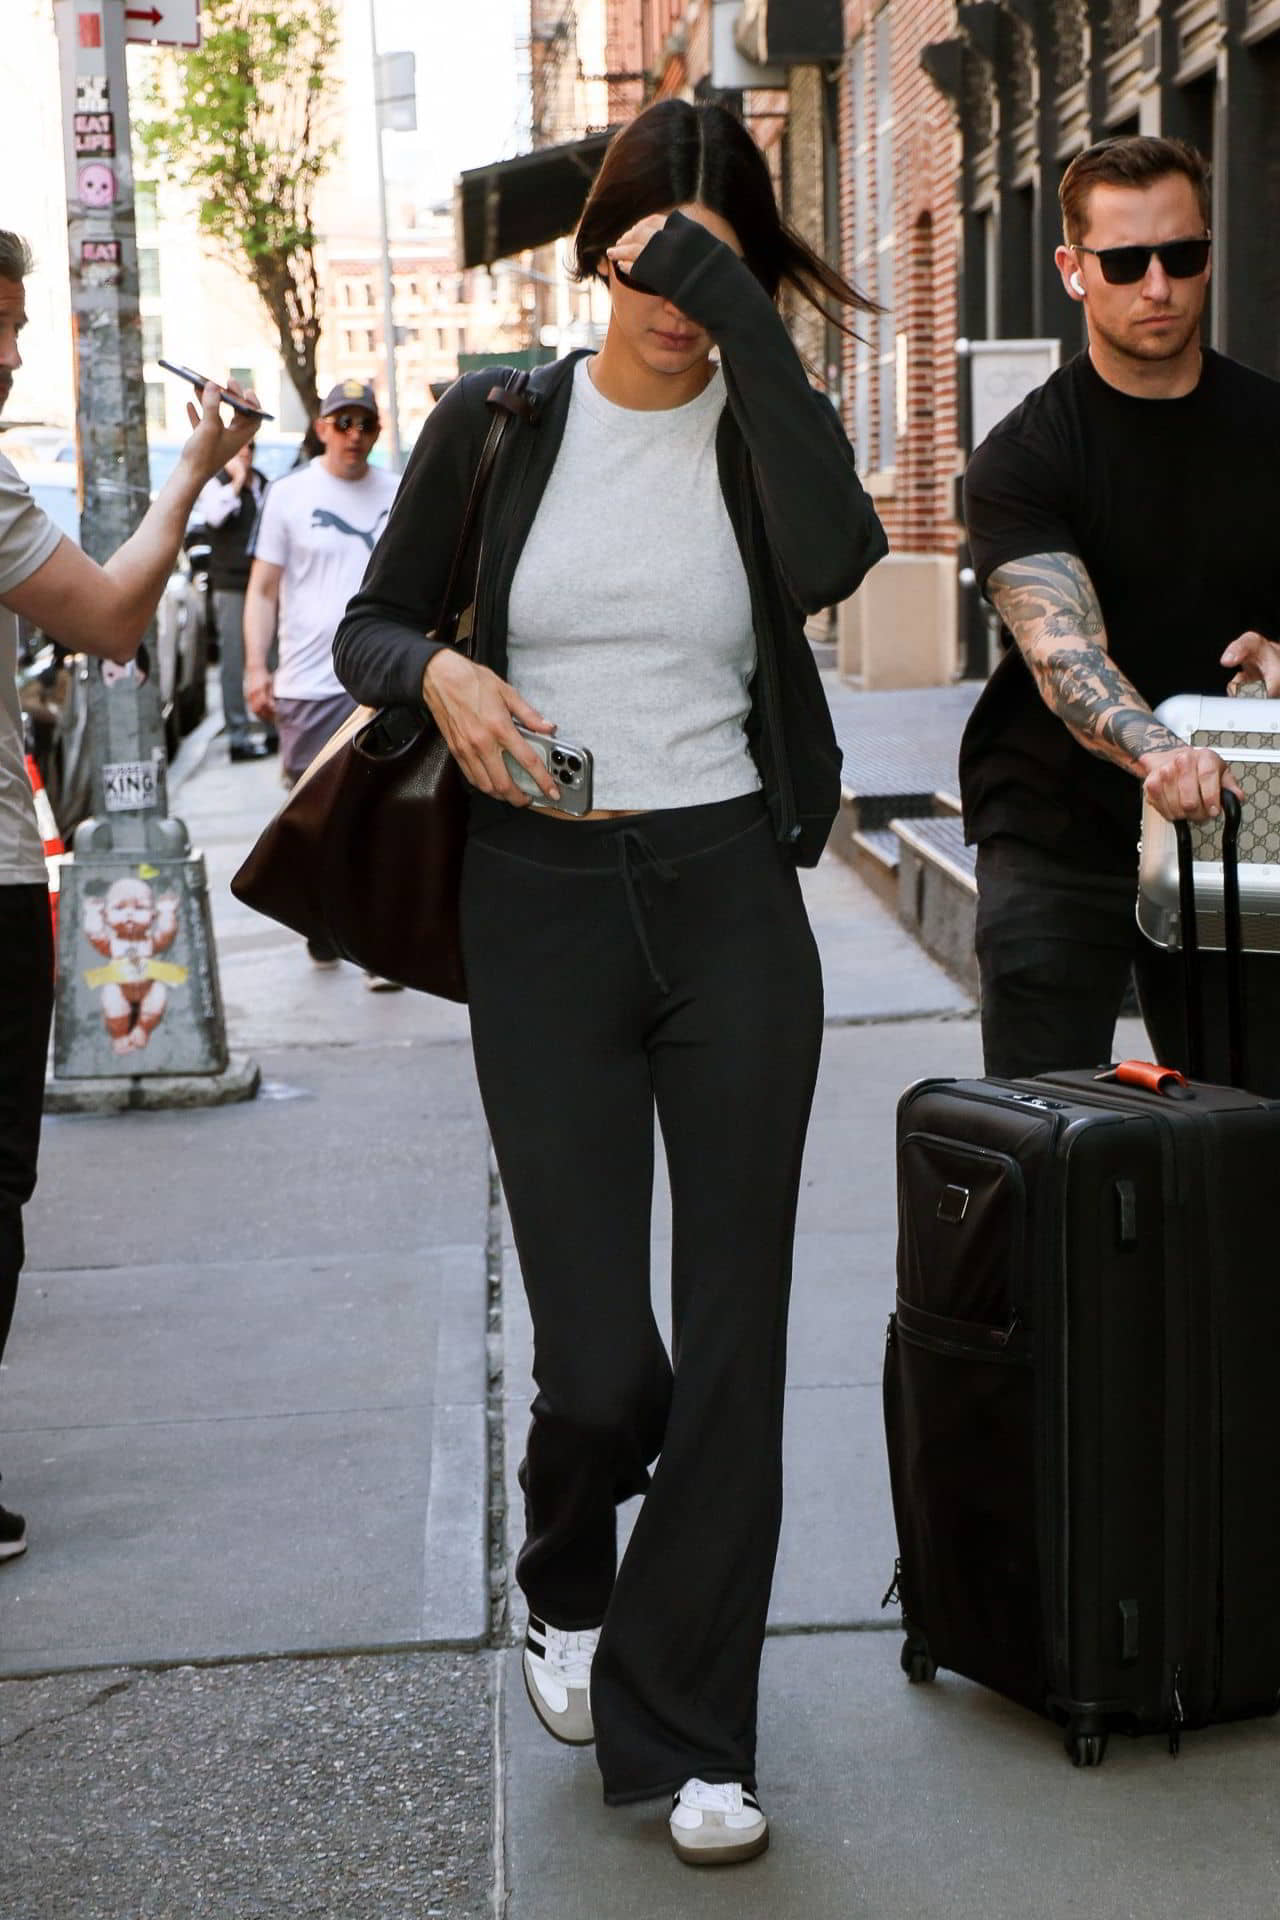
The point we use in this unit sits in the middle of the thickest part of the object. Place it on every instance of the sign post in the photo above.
(138, 998)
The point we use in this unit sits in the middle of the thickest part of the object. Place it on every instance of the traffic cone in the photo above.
(54, 851)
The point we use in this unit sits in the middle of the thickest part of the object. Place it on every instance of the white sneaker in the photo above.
(557, 1675)
(377, 984)
(714, 1826)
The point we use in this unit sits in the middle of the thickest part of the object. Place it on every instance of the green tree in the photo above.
(243, 122)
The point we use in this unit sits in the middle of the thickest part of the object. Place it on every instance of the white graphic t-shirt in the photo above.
(321, 530)
(27, 538)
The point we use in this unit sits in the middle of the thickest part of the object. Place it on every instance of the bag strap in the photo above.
(506, 401)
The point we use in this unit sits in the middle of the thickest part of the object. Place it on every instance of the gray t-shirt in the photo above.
(629, 623)
(27, 538)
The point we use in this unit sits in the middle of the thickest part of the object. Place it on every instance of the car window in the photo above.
(61, 506)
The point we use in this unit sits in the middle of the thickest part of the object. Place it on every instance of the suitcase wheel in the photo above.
(1086, 1749)
(916, 1661)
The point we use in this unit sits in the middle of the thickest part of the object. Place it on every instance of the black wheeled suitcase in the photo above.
(1081, 1396)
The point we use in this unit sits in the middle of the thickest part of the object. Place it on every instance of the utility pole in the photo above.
(394, 106)
(138, 998)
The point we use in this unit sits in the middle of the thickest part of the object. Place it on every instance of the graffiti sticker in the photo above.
(91, 93)
(130, 785)
(96, 182)
(132, 925)
(95, 133)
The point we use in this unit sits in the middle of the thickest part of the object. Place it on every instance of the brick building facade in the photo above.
(439, 311)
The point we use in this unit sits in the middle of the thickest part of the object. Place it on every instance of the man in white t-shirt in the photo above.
(105, 610)
(310, 549)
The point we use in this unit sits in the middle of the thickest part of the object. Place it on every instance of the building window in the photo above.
(149, 271)
(144, 205)
(157, 416)
(886, 339)
(152, 337)
(863, 241)
(243, 377)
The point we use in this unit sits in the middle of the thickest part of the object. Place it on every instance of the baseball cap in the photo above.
(350, 393)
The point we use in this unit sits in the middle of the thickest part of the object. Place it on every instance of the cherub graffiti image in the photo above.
(132, 927)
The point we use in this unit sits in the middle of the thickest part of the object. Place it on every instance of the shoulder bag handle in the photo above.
(506, 401)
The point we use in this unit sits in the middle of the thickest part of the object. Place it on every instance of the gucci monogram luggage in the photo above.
(1246, 732)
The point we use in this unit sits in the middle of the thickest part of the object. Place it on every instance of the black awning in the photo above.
(527, 202)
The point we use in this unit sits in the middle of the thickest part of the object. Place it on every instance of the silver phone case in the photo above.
(1246, 732)
(570, 765)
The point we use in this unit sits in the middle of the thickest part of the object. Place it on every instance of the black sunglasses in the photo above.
(345, 421)
(1123, 266)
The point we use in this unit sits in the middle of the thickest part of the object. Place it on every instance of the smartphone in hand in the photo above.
(569, 765)
(200, 381)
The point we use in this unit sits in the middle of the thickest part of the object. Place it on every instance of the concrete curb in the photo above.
(239, 1080)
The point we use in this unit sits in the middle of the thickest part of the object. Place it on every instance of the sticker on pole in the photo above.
(130, 786)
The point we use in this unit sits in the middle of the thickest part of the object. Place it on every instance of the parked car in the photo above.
(272, 456)
(52, 682)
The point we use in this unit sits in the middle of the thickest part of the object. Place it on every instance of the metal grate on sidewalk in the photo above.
(900, 748)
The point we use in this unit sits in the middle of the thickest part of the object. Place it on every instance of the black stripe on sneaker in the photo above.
(536, 1639)
(749, 1800)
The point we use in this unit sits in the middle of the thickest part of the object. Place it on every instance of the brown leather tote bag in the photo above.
(366, 852)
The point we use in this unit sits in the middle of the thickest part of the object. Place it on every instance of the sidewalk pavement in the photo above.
(265, 1393)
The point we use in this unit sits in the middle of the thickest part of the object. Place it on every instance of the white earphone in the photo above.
(1077, 284)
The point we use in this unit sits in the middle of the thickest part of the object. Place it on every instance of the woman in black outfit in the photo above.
(653, 538)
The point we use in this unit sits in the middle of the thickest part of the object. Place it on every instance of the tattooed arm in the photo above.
(1048, 603)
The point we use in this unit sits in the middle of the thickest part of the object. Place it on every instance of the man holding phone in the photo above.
(46, 579)
(318, 527)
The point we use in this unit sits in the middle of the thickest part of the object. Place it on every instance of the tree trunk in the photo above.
(297, 343)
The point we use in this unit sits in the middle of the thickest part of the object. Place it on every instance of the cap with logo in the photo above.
(350, 393)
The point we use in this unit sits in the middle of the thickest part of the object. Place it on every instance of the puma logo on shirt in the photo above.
(323, 517)
(320, 530)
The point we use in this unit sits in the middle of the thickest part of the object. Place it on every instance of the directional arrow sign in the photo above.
(165, 23)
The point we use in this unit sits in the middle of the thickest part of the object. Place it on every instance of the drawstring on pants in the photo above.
(635, 856)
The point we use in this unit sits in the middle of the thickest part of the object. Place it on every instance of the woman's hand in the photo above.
(627, 249)
(475, 711)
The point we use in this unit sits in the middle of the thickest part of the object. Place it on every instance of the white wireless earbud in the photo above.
(1077, 284)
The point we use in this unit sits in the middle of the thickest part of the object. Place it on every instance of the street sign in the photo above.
(164, 23)
(395, 92)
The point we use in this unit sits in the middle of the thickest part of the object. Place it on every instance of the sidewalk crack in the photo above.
(95, 1700)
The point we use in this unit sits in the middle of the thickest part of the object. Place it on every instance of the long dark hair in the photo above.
(676, 153)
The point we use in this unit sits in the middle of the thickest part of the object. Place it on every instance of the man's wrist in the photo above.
(1162, 742)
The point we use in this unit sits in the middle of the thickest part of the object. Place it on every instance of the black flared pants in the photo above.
(658, 962)
(26, 1008)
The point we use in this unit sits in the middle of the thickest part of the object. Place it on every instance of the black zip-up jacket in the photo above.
(807, 531)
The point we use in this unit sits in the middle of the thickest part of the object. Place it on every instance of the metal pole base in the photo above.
(239, 1080)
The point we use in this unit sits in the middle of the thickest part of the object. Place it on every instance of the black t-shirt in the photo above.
(1174, 508)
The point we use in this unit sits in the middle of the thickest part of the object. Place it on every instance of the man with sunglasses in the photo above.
(1123, 523)
(311, 545)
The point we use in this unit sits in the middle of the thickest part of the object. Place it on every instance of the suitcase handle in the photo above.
(1193, 985)
(1151, 1078)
